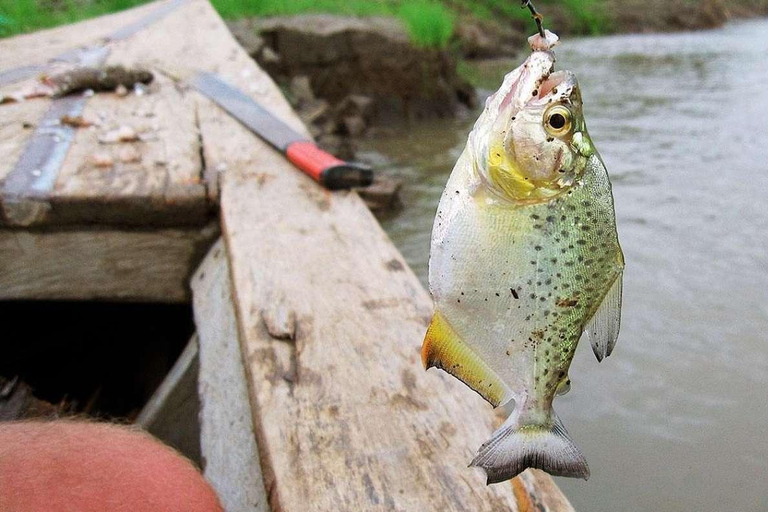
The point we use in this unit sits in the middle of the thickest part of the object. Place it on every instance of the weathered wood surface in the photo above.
(535, 491)
(171, 414)
(156, 180)
(109, 264)
(162, 186)
(40, 47)
(228, 443)
(17, 123)
(345, 418)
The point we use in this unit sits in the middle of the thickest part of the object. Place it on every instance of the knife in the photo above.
(324, 168)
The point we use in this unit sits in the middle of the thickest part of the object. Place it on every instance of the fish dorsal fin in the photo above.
(603, 328)
(444, 349)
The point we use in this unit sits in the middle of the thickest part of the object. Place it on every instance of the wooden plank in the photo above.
(93, 264)
(171, 414)
(156, 180)
(345, 417)
(17, 124)
(40, 47)
(535, 491)
(26, 189)
(227, 440)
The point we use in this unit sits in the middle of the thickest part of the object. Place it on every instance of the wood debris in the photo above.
(76, 121)
(128, 154)
(122, 134)
(97, 79)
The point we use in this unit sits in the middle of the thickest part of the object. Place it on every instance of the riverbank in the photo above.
(429, 23)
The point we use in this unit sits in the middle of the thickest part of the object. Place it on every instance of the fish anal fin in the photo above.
(603, 328)
(444, 349)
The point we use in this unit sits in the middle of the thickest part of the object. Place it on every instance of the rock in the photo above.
(340, 147)
(480, 39)
(383, 195)
(301, 90)
(315, 112)
(268, 57)
(345, 57)
(356, 105)
(354, 126)
(245, 33)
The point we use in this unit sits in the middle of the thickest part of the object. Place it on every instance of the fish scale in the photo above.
(525, 258)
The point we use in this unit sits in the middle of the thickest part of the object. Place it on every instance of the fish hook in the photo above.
(536, 16)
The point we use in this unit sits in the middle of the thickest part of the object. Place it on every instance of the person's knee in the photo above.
(67, 465)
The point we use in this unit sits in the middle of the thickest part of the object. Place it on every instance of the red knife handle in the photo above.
(325, 168)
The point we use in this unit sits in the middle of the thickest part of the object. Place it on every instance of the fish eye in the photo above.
(558, 120)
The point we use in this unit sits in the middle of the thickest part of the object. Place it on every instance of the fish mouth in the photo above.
(558, 86)
(533, 83)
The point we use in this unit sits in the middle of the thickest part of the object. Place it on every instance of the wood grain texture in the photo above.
(346, 418)
(227, 440)
(537, 492)
(171, 414)
(156, 180)
(17, 124)
(42, 46)
(93, 264)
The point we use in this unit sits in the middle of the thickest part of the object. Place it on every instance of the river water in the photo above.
(677, 418)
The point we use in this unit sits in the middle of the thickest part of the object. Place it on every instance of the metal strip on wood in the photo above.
(14, 75)
(30, 182)
(34, 175)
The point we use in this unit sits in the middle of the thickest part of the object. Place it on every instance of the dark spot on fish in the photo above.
(537, 247)
(551, 139)
(535, 217)
(567, 303)
(535, 93)
(514, 293)
(497, 294)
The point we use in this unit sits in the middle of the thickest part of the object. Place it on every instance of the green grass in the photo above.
(19, 16)
(590, 16)
(429, 23)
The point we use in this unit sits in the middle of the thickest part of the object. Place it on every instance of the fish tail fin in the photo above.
(517, 446)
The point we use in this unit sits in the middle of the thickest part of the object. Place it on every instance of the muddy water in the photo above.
(677, 418)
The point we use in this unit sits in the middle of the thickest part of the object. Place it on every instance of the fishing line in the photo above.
(536, 16)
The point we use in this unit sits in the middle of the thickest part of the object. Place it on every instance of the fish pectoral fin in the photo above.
(603, 328)
(444, 349)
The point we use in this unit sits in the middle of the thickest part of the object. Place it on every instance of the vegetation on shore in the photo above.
(430, 23)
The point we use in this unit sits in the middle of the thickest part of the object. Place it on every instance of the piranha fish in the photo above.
(524, 259)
